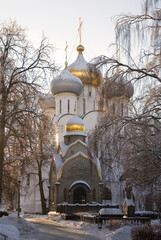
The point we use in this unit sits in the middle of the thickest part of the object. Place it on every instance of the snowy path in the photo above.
(50, 230)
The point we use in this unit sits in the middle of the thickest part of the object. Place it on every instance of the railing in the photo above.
(70, 208)
(132, 221)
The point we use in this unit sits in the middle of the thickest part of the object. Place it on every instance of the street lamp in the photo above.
(19, 182)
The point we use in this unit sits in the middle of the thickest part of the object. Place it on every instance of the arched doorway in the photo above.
(79, 195)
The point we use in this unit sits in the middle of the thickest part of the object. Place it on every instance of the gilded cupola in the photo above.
(75, 126)
(82, 69)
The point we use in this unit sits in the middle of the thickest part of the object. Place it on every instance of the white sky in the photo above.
(59, 21)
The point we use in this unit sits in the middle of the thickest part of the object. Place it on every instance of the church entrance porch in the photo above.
(79, 195)
(79, 192)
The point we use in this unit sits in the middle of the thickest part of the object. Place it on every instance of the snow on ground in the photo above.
(15, 227)
(123, 233)
(12, 226)
(10, 231)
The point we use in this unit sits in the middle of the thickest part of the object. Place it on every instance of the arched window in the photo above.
(65, 195)
(94, 195)
(60, 107)
(106, 193)
(79, 195)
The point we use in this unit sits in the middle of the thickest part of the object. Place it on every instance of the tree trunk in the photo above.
(42, 197)
(2, 146)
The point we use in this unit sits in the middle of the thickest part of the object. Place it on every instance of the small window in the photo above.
(106, 194)
(94, 195)
(65, 195)
(28, 179)
(60, 107)
(89, 94)
(68, 138)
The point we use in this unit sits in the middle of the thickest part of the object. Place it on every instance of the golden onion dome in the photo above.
(75, 126)
(84, 70)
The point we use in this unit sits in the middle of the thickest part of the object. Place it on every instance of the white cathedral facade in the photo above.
(75, 173)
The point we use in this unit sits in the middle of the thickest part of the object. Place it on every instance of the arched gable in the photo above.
(85, 157)
(77, 142)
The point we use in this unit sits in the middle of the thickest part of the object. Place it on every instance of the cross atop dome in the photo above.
(80, 30)
(66, 47)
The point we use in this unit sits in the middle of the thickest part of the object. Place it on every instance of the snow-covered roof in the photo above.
(129, 202)
(58, 162)
(65, 147)
(79, 182)
(110, 211)
(97, 162)
(72, 157)
(77, 133)
(75, 120)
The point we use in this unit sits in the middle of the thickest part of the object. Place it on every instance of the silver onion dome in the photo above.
(119, 87)
(66, 82)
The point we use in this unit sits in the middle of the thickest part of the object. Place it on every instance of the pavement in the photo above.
(50, 230)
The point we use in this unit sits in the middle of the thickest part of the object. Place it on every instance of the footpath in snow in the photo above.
(15, 228)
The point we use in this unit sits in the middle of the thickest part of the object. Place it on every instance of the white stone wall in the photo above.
(64, 98)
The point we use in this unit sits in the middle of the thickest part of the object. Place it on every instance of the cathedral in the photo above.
(76, 107)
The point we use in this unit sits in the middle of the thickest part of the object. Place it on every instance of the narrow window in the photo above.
(68, 106)
(28, 179)
(84, 106)
(113, 108)
(89, 94)
(69, 139)
(65, 195)
(94, 195)
(94, 105)
(60, 107)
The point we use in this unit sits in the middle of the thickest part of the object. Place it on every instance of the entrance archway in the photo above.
(80, 195)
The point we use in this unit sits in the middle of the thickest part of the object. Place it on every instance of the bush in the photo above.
(146, 233)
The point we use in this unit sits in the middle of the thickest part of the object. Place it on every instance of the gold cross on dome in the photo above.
(66, 47)
(80, 30)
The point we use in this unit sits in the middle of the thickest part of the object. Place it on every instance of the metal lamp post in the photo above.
(19, 208)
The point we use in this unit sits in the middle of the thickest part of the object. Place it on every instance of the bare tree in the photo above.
(129, 145)
(23, 71)
(42, 149)
(138, 45)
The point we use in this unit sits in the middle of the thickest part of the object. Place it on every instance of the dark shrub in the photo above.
(146, 233)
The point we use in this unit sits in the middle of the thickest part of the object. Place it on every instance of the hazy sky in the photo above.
(59, 21)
